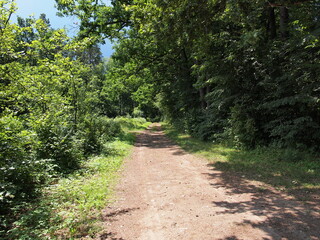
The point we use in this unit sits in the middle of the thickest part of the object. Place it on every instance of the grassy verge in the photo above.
(286, 169)
(132, 124)
(71, 207)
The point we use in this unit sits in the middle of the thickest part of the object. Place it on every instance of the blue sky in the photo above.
(36, 7)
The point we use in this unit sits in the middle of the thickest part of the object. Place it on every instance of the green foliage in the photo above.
(18, 167)
(97, 131)
(234, 71)
(71, 208)
(137, 113)
(95, 17)
(57, 143)
(132, 123)
(50, 116)
(287, 169)
(127, 90)
(243, 130)
(223, 69)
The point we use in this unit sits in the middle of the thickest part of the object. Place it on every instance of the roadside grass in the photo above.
(132, 124)
(71, 208)
(82, 197)
(290, 170)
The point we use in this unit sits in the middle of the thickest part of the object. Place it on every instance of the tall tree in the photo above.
(235, 69)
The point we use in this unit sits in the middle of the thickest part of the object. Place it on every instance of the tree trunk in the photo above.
(207, 92)
(272, 29)
(284, 20)
(202, 94)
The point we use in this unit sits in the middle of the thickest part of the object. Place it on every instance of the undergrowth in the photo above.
(289, 170)
(71, 206)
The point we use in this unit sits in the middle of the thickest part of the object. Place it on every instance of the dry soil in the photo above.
(167, 194)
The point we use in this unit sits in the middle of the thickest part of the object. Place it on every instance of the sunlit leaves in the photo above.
(96, 18)
(45, 93)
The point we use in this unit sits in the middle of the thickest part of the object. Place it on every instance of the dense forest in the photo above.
(55, 99)
(240, 72)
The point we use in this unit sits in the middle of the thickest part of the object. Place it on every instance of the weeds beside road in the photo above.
(70, 207)
(297, 173)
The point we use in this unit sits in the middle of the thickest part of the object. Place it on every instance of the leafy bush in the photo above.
(71, 207)
(137, 112)
(131, 123)
(20, 171)
(243, 128)
(291, 155)
(57, 143)
(96, 131)
(206, 125)
(111, 129)
(291, 169)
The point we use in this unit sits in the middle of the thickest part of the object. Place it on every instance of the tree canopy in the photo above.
(236, 71)
(222, 69)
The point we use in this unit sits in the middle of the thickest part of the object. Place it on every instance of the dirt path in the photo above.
(168, 194)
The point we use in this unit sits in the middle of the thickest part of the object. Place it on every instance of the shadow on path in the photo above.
(285, 217)
(157, 140)
(110, 236)
(279, 216)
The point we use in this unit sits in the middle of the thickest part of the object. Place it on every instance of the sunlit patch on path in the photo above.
(166, 193)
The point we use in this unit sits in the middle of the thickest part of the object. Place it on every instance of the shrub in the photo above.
(137, 112)
(57, 143)
(130, 123)
(243, 128)
(20, 172)
(96, 131)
